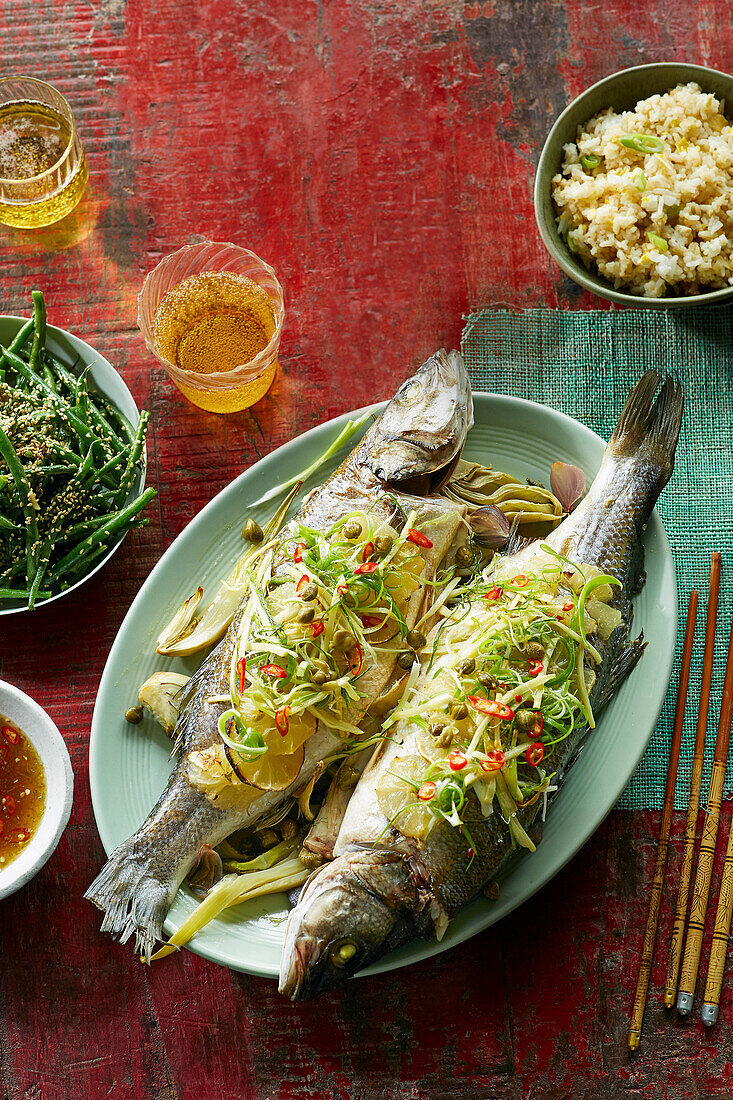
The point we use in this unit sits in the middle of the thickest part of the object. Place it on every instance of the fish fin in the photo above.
(648, 429)
(132, 900)
(515, 542)
(624, 663)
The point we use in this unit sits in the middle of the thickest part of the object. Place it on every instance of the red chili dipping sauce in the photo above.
(22, 791)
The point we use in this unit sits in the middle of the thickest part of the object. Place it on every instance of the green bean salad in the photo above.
(68, 463)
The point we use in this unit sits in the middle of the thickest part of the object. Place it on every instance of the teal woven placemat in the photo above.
(585, 364)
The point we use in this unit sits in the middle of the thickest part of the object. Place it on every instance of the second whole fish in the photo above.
(509, 686)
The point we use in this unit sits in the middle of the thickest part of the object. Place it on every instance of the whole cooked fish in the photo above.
(328, 610)
(509, 684)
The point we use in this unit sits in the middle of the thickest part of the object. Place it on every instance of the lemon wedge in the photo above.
(270, 772)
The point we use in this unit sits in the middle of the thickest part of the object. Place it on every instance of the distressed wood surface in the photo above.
(379, 153)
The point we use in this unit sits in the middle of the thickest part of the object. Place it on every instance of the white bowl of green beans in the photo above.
(72, 461)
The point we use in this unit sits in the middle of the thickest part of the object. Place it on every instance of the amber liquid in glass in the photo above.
(33, 139)
(212, 322)
(22, 791)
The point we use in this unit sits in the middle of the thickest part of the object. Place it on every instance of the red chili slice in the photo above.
(341, 589)
(355, 660)
(491, 707)
(367, 551)
(301, 584)
(281, 720)
(11, 735)
(539, 723)
(317, 629)
(568, 607)
(367, 567)
(535, 668)
(426, 792)
(9, 804)
(521, 580)
(494, 761)
(19, 836)
(418, 538)
(372, 620)
(535, 753)
(273, 670)
(298, 555)
(241, 669)
(493, 593)
(457, 760)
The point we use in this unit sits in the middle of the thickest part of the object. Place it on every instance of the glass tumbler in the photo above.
(220, 391)
(43, 171)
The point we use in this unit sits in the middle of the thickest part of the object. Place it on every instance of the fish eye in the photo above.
(410, 392)
(342, 952)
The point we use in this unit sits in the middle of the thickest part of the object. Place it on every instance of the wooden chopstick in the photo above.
(698, 909)
(719, 946)
(650, 935)
(680, 919)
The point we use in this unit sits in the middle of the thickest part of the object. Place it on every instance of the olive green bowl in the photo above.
(622, 91)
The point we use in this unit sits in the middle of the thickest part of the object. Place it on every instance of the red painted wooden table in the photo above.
(380, 155)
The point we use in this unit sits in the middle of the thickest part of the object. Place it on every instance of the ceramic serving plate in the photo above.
(129, 765)
(103, 379)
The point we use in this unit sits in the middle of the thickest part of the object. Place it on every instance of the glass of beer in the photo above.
(43, 171)
(212, 315)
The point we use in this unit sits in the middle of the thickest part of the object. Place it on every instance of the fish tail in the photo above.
(648, 428)
(133, 899)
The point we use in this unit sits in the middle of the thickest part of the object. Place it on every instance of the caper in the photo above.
(252, 531)
(464, 556)
(310, 859)
(352, 529)
(525, 719)
(436, 728)
(487, 680)
(268, 838)
(306, 615)
(446, 738)
(288, 828)
(534, 651)
(406, 660)
(134, 715)
(459, 711)
(344, 639)
(416, 639)
(308, 591)
(383, 544)
(319, 677)
(466, 667)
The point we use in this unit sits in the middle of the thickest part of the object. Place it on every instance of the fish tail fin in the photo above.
(648, 428)
(133, 899)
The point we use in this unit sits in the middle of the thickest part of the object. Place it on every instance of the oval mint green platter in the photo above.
(129, 765)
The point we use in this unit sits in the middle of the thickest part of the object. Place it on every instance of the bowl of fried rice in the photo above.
(634, 187)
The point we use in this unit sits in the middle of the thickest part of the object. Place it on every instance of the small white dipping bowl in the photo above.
(42, 733)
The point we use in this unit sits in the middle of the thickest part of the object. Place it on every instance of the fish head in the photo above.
(348, 915)
(417, 441)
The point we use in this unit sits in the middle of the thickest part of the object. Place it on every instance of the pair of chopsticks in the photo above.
(691, 959)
